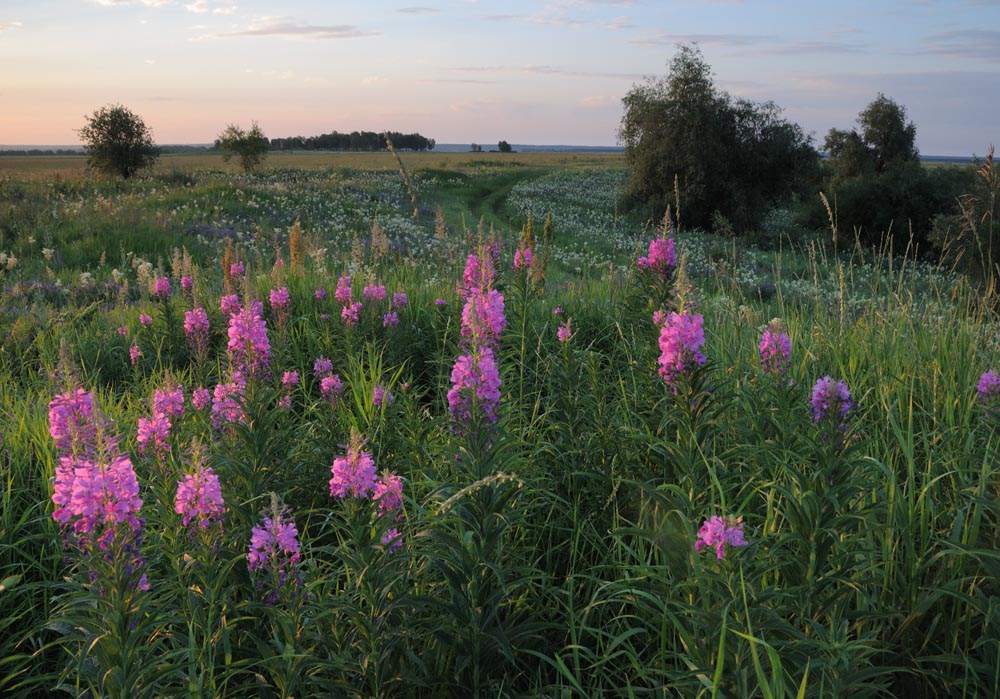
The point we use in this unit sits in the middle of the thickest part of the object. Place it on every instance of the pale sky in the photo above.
(463, 71)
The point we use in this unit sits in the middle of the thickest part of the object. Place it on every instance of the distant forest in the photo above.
(356, 140)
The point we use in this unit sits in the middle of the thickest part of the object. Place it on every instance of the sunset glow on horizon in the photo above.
(462, 71)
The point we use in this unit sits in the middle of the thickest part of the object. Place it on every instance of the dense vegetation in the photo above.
(546, 543)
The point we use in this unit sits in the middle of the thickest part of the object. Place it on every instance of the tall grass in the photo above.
(550, 554)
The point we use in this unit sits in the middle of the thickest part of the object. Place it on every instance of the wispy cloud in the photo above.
(714, 40)
(978, 44)
(547, 70)
(147, 3)
(600, 101)
(4, 26)
(418, 10)
(618, 24)
(222, 7)
(287, 28)
(754, 44)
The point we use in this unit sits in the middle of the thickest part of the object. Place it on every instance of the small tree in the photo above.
(504, 147)
(475, 148)
(251, 146)
(117, 142)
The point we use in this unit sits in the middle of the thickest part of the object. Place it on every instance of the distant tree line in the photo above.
(42, 151)
(356, 140)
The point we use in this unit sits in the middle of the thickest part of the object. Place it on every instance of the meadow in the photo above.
(300, 434)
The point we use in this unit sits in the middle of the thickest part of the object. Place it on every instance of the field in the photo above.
(318, 433)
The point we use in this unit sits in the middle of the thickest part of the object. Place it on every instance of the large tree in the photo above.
(117, 142)
(884, 138)
(734, 157)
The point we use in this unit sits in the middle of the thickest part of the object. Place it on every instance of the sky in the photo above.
(478, 71)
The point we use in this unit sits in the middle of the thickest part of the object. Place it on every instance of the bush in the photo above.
(250, 146)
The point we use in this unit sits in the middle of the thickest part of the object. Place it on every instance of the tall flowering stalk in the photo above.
(199, 498)
(475, 391)
(274, 554)
(681, 338)
(96, 492)
(831, 405)
(196, 329)
(775, 349)
(354, 473)
(249, 347)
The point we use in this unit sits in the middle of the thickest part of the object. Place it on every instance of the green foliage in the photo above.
(504, 147)
(734, 156)
(250, 147)
(550, 554)
(876, 185)
(885, 139)
(970, 238)
(117, 142)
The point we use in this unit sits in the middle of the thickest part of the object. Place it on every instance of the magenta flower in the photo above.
(831, 400)
(393, 539)
(196, 331)
(565, 332)
(522, 259)
(720, 533)
(390, 320)
(249, 348)
(331, 386)
(168, 401)
(199, 498)
(145, 320)
(153, 435)
(775, 349)
(274, 552)
(373, 292)
(71, 422)
(134, 353)
(475, 385)
(353, 473)
(483, 319)
(201, 398)
(230, 304)
(319, 294)
(381, 396)
(440, 302)
(350, 314)
(123, 330)
(322, 367)
(988, 386)
(477, 276)
(227, 404)
(558, 311)
(388, 493)
(399, 300)
(290, 378)
(186, 283)
(280, 299)
(161, 288)
(681, 339)
(343, 292)
(237, 269)
(661, 258)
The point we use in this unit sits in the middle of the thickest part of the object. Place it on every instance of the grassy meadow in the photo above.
(300, 434)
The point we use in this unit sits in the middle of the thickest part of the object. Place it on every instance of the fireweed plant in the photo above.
(559, 530)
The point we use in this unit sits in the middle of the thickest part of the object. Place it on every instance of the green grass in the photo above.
(551, 554)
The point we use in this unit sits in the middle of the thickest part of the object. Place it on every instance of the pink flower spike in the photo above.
(720, 533)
